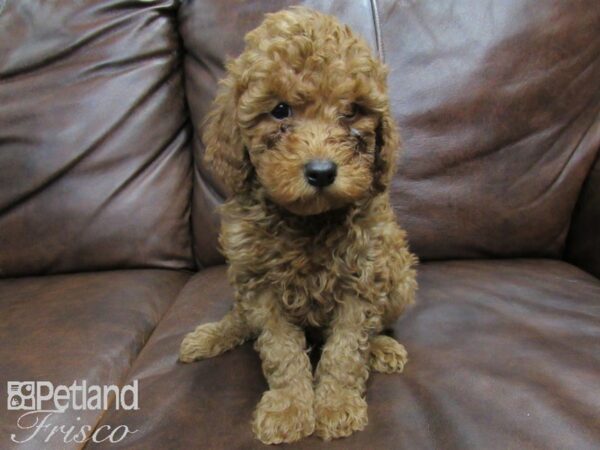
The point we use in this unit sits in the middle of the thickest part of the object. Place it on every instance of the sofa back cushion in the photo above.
(498, 106)
(94, 137)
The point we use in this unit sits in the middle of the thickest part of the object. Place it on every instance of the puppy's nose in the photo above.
(320, 172)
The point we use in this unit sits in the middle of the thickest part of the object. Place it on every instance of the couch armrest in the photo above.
(583, 242)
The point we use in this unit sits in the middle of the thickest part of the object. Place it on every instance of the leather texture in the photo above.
(66, 328)
(498, 104)
(584, 236)
(94, 160)
(502, 354)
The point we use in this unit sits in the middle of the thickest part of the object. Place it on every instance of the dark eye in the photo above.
(351, 114)
(281, 111)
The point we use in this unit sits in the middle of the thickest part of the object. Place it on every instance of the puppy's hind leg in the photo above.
(212, 339)
(386, 354)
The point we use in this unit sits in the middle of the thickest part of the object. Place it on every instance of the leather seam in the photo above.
(377, 26)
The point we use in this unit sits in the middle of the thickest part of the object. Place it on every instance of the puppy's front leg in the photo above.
(285, 412)
(340, 407)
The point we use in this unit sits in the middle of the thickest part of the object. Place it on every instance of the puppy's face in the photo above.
(312, 113)
(313, 148)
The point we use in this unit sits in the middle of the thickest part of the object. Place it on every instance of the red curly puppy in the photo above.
(301, 133)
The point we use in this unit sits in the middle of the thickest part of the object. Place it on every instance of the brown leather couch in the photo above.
(108, 228)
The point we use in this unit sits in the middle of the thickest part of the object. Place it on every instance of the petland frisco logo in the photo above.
(44, 404)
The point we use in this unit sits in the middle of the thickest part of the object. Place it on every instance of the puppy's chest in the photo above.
(310, 280)
(309, 274)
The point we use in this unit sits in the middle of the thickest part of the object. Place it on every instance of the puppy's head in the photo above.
(304, 109)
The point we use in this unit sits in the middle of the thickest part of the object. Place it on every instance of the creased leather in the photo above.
(499, 107)
(66, 328)
(95, 168)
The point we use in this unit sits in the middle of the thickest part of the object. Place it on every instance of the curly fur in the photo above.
(300, 256)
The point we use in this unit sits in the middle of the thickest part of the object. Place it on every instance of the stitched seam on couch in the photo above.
(377, 25)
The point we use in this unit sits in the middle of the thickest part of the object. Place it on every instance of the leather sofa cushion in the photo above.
(502, 354)
(94, 155)
(88, 327)
(500, 108)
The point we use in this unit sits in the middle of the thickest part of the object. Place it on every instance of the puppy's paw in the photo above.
(387, 355)
(283, 415)
(339, 413)
(204, 342)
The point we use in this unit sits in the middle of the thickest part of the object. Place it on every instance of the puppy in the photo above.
(302, 135)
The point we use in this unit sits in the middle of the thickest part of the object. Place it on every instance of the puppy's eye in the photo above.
(352, 113)
(281, 111)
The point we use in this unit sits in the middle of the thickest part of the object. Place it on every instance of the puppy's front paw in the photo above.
(387, 354)
(204, 342)
(339, 413)
(283, 415)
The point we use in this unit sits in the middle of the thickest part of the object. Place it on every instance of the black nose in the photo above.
(320, 172)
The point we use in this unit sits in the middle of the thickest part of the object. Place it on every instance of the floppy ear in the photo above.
(224, 150)
(387, 146)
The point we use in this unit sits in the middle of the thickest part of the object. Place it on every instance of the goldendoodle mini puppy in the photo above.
(301, 133)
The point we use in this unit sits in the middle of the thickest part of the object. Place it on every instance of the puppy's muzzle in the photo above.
(320, 172)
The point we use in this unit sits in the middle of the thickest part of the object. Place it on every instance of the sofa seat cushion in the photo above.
(95, 162)
(502, 354)
(67, 328)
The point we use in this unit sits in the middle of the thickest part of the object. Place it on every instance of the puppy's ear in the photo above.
(387, 147)
(224, 150)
